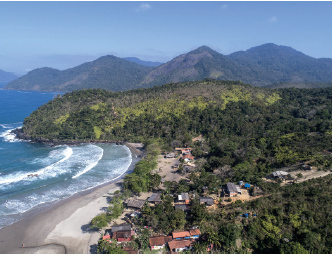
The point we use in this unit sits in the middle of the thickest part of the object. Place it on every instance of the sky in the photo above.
(65, 34)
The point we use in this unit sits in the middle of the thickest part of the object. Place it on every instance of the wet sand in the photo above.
(64, 227)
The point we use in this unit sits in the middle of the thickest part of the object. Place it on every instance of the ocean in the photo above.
(36, 176)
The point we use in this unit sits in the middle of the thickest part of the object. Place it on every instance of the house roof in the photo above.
(106, 237)
(132, 251)
(136, 203)
(189, 156)
(122, 234)
(238, 189)
(159, 240)
(194, 232)
(278, 173)
(121, 227)
(182, 207)
(207, 200)
(231, 187)
(183, 196)
(180, 234)
(154, 198)
(180, 244)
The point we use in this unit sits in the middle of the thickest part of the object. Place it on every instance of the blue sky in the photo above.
(65, 34)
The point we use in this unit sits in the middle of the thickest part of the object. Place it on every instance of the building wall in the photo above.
(157, 247)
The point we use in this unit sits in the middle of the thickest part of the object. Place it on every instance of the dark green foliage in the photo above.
(105, 247)
(246, 139)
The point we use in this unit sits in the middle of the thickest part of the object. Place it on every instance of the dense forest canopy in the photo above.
(250, 129)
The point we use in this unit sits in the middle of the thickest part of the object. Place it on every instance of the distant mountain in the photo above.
(284, 64)
(197, 65)
(108, 72)
(144, 63)
(6, 77)
(260, 66)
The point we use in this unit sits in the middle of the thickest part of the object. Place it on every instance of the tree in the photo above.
(144, 238)
(293, 248)
(105, 247)
(213, 237)
(299, 175)
(100, 221)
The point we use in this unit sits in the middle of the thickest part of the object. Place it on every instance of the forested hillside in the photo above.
(250, 129)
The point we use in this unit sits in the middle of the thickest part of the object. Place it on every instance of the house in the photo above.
(247, 185)
(181, 235)
(159, 242)
(232, 189)
(188, 157)
(184, 197)
(184, 207)
(184, 151)
(135, 203)
(121, 227)
(205, 189)
(208, 201)
(171, 155)
(280, 175)
(195, 233)
(154, 198)
(179, 246)
(123, 236)
(107, 237)
(130, 250)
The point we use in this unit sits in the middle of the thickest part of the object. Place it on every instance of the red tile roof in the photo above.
(159, 240)
(180, 234)
(188, 156)
(180, 244)
(107, 237)
(195, 232)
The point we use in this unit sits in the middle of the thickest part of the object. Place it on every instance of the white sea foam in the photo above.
(91, 165)
(8, 136)
(86, 157)
(21, 176)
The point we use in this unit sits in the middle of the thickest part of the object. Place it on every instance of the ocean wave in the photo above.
(91, 165)
(111, 164)
(23, 176)
(8, 136)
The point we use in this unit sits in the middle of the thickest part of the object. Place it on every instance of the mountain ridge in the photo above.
(260, 66)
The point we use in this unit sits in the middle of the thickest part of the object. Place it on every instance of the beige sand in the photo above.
(63, 228)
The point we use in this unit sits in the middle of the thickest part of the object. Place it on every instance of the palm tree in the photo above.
(213, 238)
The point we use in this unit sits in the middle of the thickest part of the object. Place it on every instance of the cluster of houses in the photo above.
(177, 242)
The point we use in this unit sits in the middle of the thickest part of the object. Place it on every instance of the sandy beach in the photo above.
(64, 227)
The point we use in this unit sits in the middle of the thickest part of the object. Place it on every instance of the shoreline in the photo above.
(63, 227)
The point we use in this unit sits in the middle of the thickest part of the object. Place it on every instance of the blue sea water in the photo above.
(58, 172)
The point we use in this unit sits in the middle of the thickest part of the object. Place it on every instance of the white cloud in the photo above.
(273, 19)
(143, 7)
(225, 6)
